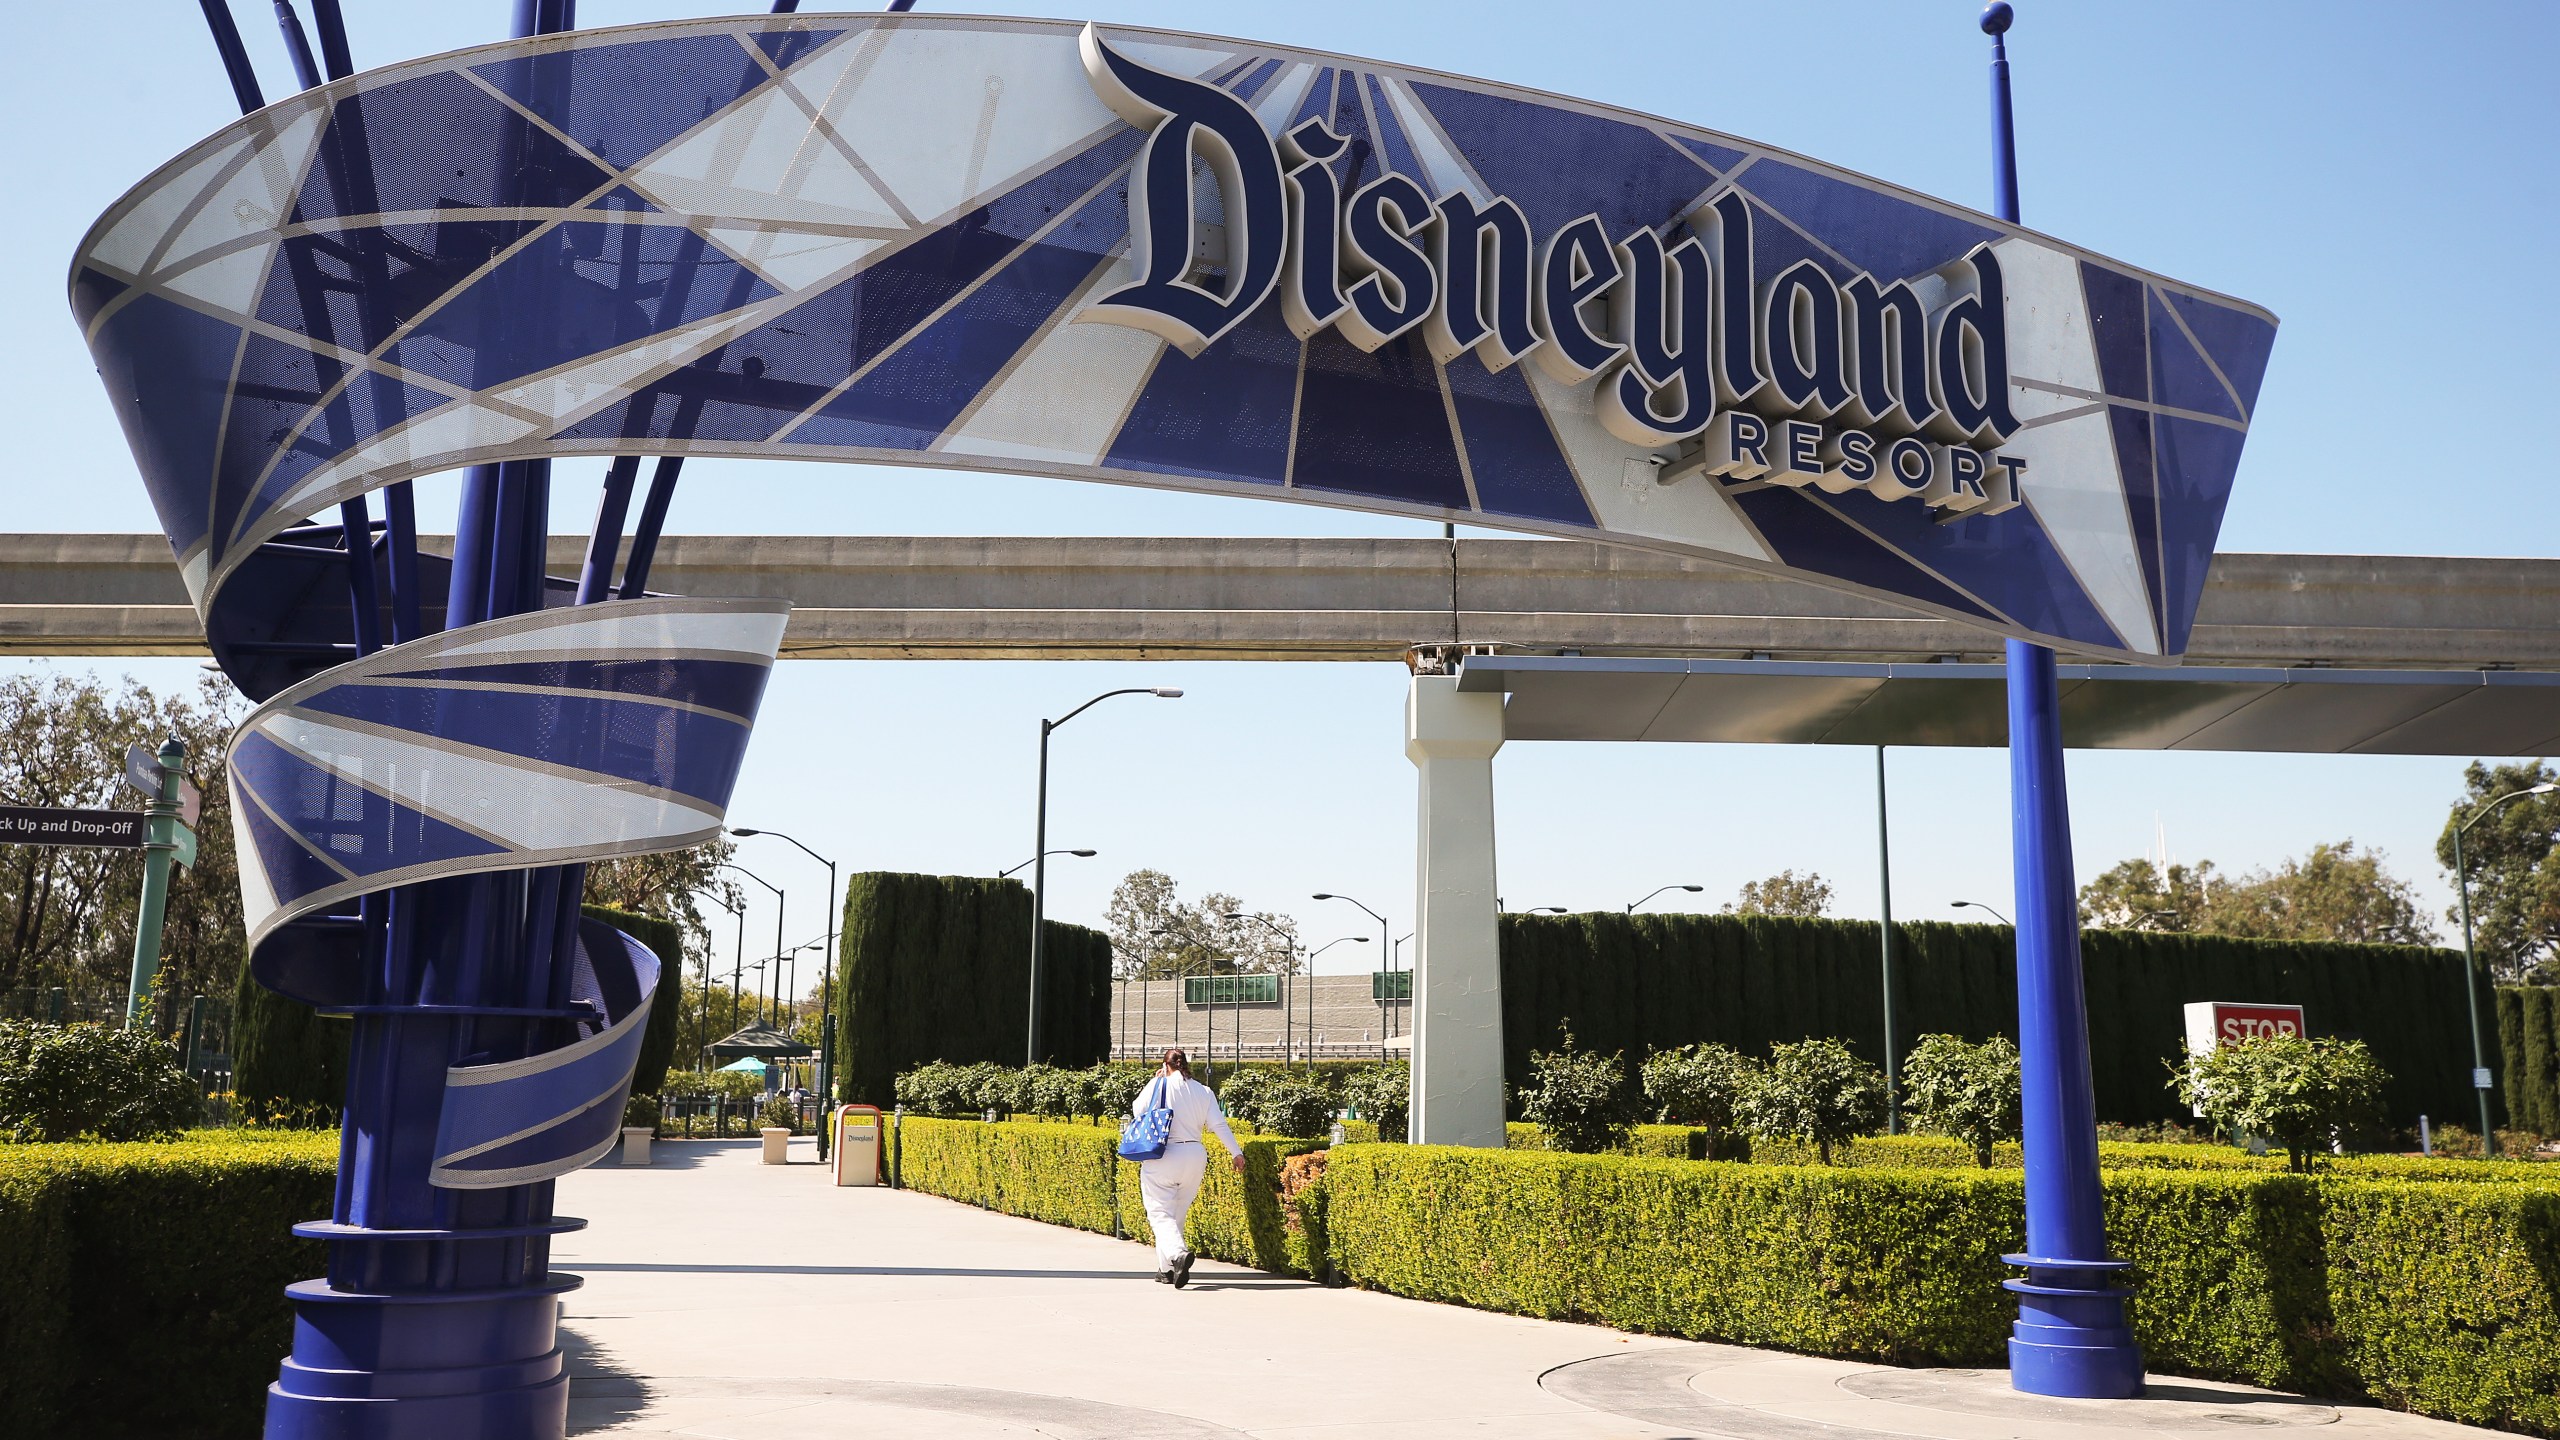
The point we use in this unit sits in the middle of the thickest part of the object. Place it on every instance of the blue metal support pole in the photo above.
(2071, 1337)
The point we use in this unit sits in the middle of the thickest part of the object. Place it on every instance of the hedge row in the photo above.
(1072, 1175)
(145, 1291)
(1647, 982)
(2529, 1040)
(937, 967)
(2443, 1299)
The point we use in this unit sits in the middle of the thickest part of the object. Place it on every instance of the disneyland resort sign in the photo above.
(1164, 260)
(1898, 388)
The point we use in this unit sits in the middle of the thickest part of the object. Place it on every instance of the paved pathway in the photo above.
(729, 1299)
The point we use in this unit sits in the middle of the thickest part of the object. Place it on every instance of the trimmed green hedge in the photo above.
(937, 967)
(1071, 1175)
(2444, 1299)
(145, 1291)
(1649, 982)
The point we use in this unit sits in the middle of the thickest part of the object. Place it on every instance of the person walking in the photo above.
(1172, 1181)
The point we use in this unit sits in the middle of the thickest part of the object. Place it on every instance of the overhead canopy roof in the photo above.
(760, 1041)
(2104, 707)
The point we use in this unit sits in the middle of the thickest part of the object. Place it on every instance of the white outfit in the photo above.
(1171, 1183)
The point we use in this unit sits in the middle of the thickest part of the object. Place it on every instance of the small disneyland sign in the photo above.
(1896, 388)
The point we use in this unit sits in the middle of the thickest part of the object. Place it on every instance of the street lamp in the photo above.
(1289, 941)
(1083, 854)
(1692, 889)
(1040, 858)
(737, 969)
(1978, 905)
(1386, 957)
(1311, 986)
(777, 911)
(826, 984)
(2470, 992)
(1549, 909)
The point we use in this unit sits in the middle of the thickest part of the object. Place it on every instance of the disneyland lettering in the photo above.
(1899, 388)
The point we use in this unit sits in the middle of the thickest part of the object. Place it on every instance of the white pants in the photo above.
(1169, 1185)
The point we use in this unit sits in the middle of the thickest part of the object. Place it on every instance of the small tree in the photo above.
(68, 1082)
(1815, 1090)
(2301, 1093)
(1383, 1094)
(1300, 1106)
(1806, 896)
(1701, 1085)
(1967, 1092)
(1579, 1098)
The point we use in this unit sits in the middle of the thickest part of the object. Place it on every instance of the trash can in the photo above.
(777, 1145)
(635, 1144)
(857, 1153)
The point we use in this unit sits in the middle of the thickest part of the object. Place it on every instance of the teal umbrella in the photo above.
(748, 1066)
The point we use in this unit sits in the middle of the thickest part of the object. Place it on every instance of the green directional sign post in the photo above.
(167, 839)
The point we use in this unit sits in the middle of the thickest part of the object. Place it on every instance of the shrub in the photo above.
(642, 1111)
(781, 1113)
(1297, 1105)
(1963, 1091)
(1240, 1095)
(1383, 1094)
(1051, 1093)
(2299, 1092)
(64, 1082)
(1110, 1089)
(707, 1084)
(1817, 1092)
(1699, 1085)
(1580, 1099)
(178, 1251)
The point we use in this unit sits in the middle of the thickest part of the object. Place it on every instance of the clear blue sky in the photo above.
(2377, 175)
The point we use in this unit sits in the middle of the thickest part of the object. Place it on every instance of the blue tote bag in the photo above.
(1144, 1137)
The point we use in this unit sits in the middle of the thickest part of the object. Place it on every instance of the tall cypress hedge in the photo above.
(937, 967)
(2529, 1039)
(1645, 982)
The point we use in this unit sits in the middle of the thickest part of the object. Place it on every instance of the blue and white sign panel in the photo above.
(1174, 261)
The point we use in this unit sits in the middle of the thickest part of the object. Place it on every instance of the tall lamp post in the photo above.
(826, 982)
(1289, 941)
(1386, 957)
(1692, 889)
(1040, 858)
(777, 919)
(1978, 905)
(2470, 990)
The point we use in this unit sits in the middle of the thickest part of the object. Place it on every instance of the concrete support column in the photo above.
(1457, 961)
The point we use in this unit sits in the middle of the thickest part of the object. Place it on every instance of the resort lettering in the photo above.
(1899, 388)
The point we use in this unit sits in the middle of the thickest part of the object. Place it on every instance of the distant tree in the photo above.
(1805, 896)
(2336, 892)
(671, 885)
(2513, 861)
(67, 913)
(2134, 895)
(2333, 893)
(1965, 1091)
(1200, 939)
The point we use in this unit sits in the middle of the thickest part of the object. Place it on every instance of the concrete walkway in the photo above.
(728, 1299)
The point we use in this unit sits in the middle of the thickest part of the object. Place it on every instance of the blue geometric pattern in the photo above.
(867, 239)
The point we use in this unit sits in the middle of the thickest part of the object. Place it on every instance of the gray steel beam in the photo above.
(1237, 599)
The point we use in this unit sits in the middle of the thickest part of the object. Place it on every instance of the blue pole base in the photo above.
(2071, 1340)
(423, 1365)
